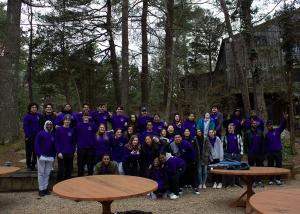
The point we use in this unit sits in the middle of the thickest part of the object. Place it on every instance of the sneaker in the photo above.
(180, 192)
(173, 196)
(46, 192)
(271, 182)
(196, 192)
(204, 186)
(219, 186)
(153, 196)
(41, 193)
(165, 195)
(261, 184)
(278, 182)
(200, 186)
(215, 186)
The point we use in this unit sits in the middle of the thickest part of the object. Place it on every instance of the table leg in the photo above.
(106, 207)
(248, 193)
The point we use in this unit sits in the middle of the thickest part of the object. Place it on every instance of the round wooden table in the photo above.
(276, 201)
(248, 177)
(8, 169)
(104, 188)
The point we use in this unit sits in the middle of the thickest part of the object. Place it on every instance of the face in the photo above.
(253, 124)
(106, 159)
(191, 117)
(148, 140)
(102, 108)
(253, 114)
(269, 127)
(33, 109)
(199, 133)
(102, 129)
(48, 109)
(85, 119)
(156, 162)
(144, 113)
(156, 118)
(211, 133)
(231, 129)
(119, 110)
(67, 122)
(170, 129)
(177, 117)
(85, 108)
(133, 118)
(135, 141)
(163, 133)
(49, 126)
(118, 133)
(237, 113)
(130, 130)
(207, 115)
(187, 133)
(67, 107)
(214, 109)
(177, 139)
(149, 126)
(162, 158)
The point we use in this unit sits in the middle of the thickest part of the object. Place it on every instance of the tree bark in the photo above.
(169, 46)
(248, 35)
(125, 56)
(9, 64)
(113, 55)
(145, 73)
(240, 72)
(30, 47)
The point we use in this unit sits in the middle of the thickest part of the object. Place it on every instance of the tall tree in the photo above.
(145, 72)
(9, 63)
(30, 52)
(240, 72)
(125, 55)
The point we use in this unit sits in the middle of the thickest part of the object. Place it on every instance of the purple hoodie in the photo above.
(118, 149)
(65, 141)
(173, 164)
(100, 117)
(191, 125)
(32, 125)
(102, 144)
(118, 122)
(45, 143)
(232, 144)
(273, 138)
(85, 134)
(142, 122)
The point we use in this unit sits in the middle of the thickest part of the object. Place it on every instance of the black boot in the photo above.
(41, 193)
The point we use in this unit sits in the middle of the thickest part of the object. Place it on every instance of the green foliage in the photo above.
(287, 151)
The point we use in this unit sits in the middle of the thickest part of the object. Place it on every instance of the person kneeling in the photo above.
(106, 166)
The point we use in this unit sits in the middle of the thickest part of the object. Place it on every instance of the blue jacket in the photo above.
(200, 125)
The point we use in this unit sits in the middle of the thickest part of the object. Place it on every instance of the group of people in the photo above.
(176, 155)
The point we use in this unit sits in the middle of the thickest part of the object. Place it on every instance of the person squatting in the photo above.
(176, 155)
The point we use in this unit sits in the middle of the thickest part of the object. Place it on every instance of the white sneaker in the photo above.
(204, 186)
(215, 186)
(200, 186)
(278, 182)
(219, 186)
(173, 196)
(153, 196)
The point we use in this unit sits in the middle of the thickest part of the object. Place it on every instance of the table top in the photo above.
(104, 187)
(277, 201)
(8, 169)
(253, 171)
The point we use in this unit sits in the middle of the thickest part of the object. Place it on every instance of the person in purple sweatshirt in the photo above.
(65, 144)
(133, 123)
(174, 168)
(132, 157)
(254, 141)
(184, 150)
(31, 126)
(85, 134)
(48, 114)
(67, 109)
(143, 118)
(45, 151)
(237, 120)
(234, 150)
(217, 117)
(101, 116)
(177, 123)
(149, 151)
(158, 124)
(190, 124)
(117, 146)
(171, 132)
(85, 111)
(119, 120)
(274, 146)
(102, 143)
(148, 132)
(259, 122)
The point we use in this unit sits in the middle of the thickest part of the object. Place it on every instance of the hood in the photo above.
(168, 155)
(45, 125)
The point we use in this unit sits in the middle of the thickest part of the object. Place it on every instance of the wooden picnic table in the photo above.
(248, 177)
(276, 201)
(4, 170)
(104, 188)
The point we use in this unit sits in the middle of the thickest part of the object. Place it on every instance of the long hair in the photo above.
(105, 135)
(30, 105)
(132, 147)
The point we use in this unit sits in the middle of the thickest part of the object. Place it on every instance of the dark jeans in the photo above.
(30, 154)
(277, 158)
(174, 181)
(65, 167)
(189, 175)
(216, 178)
(256, 160)
(85, 157)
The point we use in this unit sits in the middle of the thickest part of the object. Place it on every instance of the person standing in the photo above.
(190, 124)
(218, 119)
(117, 149)
(67, 109)
(237, 120)
(274, 146)
(259, 122)
(65, 144)
(143, 118)
(205, 124)
(132, 157)
(45, 151)
(177, 123)
(102, 143)
(31, 126)
(119, 120)
(49, 114)
(101, 116)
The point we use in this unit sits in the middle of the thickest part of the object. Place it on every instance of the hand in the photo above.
(57, 126)
(60, 156)
(125, 124)
(242, 122)
(110, 114)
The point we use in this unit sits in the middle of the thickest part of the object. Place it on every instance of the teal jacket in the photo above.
(200, 125)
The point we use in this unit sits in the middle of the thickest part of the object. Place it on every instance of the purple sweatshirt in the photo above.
(157, 127)
(173, 164)
(259, 122)
(65, 141)
(118, 149)
(45, 144)
(100, 117)
(232, 144)
(145, 134)
(273, 138)
(118, 122)
(85, 134)
(142, 122)
(102, 144)
(60, 118)
(31, 125)
(191, 125)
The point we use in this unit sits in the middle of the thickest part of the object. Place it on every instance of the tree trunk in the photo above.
(144, 74)
(113, 55)
(240, 72)
(169, 43)
(125, 56)
(9, 64)
(30, 47)
(248, 35)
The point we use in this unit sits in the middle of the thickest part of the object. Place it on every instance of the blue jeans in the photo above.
(202, 174)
